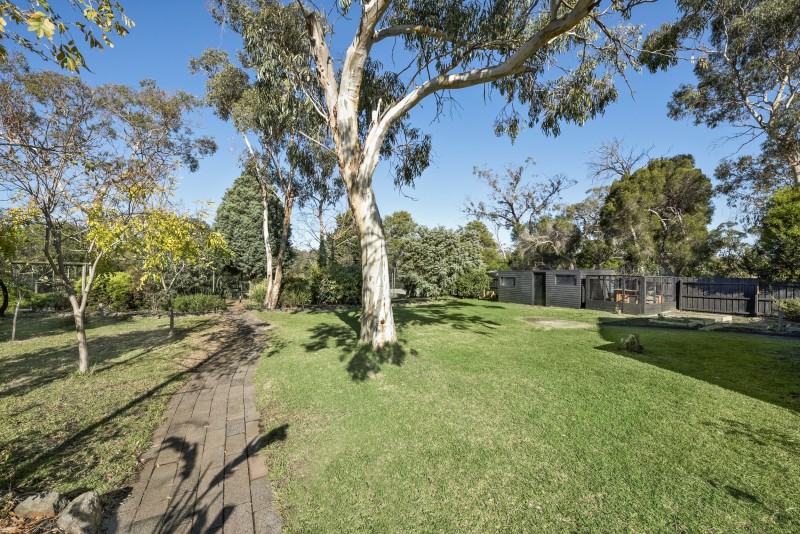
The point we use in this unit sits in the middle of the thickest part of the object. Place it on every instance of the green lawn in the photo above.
(488, 420)
(72, 433)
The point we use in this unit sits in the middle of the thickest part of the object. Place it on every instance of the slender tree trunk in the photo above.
(377, 320)
(277, 279)
(322, 259)
(16, 314)
(4, 305)
(171, 318)
(79, 314)
(267, 244)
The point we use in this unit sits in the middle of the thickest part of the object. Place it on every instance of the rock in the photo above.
(631, 343)
(82, 515)
(725, 319)
(47, 504)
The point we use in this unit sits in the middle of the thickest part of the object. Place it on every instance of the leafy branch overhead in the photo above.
(38, 27)
(551, 61)
(747, 55)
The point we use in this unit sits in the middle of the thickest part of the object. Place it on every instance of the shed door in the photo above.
(632, 298)
(539, 297)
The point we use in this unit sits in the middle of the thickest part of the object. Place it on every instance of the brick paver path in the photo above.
(204, 472)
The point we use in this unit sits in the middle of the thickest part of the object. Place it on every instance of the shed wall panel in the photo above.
(521, 293)
(563, 296)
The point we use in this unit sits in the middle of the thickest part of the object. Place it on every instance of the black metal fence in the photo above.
(736, 296)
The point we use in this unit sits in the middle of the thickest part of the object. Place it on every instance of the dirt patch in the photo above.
(558, 323)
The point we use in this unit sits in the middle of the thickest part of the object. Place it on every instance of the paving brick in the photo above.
(162, 474)
(260, 494)
(212, 457)
(235, 426)
(133, 499)
(146, 526)
(117, 523)
(251, 413)
(215, 437)
(196, 435)
(236, 489)
(171, 450)
(267, 522)
(217, 421)
(257, 467)
(235, 445)
(208, 511)
(152, 505)
(252, 431)
(238, 520)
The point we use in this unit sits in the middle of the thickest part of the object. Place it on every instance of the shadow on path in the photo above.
(204, 472)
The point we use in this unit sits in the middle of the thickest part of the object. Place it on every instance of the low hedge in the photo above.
(790, 309)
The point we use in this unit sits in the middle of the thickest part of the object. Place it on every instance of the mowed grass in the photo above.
(494, 421)
(64, 431)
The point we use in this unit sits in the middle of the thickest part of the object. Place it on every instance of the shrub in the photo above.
(790, 309)
(471, 284)
(199, 303)
(336, 285)
(113, 290)
(258, 293)
(295, 292)
(47, 301)
(118, 291)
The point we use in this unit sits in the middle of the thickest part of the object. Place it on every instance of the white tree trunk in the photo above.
(277, 277)
(267, 244)
(794, 162)
(16, 314)
(377, 320)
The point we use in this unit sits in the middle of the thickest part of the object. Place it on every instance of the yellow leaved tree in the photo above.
(170, 244)
(89, 161)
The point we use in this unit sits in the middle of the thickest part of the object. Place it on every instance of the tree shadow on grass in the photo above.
(737, 362)
(363, 361)
(40, 324)
(44, 458)
(21, 373)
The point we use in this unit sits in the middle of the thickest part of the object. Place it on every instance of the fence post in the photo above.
(678, 293)
(755, 298)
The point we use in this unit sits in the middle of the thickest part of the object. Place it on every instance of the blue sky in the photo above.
(169, 33)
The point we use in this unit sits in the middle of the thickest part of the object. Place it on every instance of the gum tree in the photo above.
(747, 65)
(50, 33)
(551, 61)
(288, 158)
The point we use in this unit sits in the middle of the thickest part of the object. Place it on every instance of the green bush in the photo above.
(335, 285)
(199, 303)
(472, 284)
(118, 290)
(114, 290)
(790, 309)
(258, 293)
(295, 292)
(49, 301)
